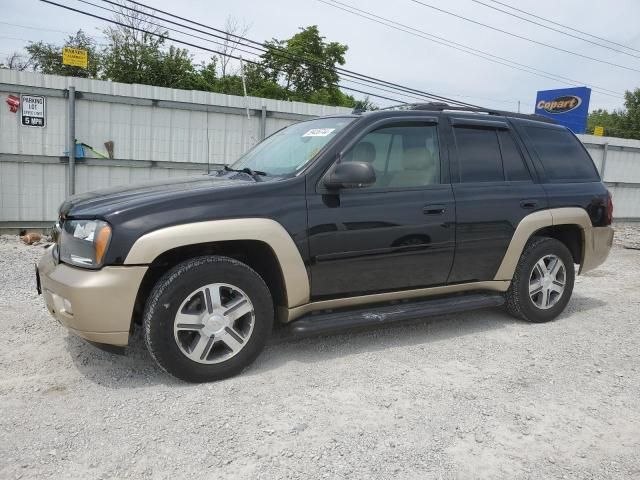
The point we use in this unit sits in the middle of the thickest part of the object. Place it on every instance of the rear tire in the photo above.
(543, 281)
(207, 318)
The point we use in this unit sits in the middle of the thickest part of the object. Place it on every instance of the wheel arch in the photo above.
(261, 243)
(568, 225)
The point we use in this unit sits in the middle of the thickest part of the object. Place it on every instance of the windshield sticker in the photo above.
(318, 132)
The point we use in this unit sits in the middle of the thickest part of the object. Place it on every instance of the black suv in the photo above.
(334, 223)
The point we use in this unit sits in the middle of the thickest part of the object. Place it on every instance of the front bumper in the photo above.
(596, 248)
(94, 304)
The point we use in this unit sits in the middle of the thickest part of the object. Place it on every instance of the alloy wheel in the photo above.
(547, 281)
(214, 323)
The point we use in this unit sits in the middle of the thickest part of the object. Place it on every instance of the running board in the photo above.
(371, 315)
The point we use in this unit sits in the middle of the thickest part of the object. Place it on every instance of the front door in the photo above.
(396, 234)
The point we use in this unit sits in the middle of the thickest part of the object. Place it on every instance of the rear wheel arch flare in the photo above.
(554, 221)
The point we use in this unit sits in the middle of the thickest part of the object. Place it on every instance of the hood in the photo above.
(102, 202)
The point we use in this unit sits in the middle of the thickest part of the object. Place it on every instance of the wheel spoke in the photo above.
(557, 287)
(541, 267)
(189, 321)
(202, 347)
(544, 298)
(555, 267)
(230, 339)
(535, 287)
(208, 294)
(238, 309)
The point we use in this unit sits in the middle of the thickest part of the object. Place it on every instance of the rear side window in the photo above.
(561, 154)
(478, 155)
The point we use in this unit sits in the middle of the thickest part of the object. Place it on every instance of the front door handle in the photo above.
(529, 204)
(433, 210)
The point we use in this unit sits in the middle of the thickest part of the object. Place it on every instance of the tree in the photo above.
(235, 29)
(365, 104)
(47, 57)
(134, 48)
(16, 61)
(305, 67)
(623, 123)
(301, 68)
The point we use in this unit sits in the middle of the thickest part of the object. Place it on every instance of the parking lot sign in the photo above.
(33, 111)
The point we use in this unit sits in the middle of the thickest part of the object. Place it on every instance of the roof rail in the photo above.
(440, 107)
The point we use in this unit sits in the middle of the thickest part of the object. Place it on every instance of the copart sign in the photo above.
(567, 106)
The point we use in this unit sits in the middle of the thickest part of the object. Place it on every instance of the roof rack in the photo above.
(441, 107)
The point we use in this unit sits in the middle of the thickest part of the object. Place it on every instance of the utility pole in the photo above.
(244, 87)
(71, 139)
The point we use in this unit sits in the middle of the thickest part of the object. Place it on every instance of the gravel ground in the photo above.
(474, 395)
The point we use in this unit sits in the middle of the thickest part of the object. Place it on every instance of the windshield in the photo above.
(290, 149)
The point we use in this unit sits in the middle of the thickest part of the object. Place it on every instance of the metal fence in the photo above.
(618, 161)
(157, 133)
(160, 133)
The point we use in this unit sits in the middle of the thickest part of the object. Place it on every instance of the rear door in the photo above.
(494, 187)
(566, 170)
(396, 234)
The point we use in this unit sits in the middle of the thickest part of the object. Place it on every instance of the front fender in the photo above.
(148, 247)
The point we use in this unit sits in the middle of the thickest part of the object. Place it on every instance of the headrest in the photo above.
(364, 152)
(416, 159)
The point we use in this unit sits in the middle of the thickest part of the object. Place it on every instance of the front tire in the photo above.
(207, 318)
(543, 281)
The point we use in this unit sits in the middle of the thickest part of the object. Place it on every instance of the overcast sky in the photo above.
(380, 51)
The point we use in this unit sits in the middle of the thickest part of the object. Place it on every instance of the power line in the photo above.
(464, 48)
(522, 37)
(282, 52)
(239, 49)
(563, 32)
(193, 45)
(36, 28)
(564, 26)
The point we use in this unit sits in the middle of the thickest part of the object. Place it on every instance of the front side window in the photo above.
(290, 149)
(402, 155)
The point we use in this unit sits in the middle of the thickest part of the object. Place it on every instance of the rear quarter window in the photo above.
(561, 155)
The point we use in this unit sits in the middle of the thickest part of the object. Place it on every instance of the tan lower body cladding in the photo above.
(96, 305)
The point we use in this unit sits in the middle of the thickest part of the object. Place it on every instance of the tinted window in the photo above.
(514, 167)
(478, 155)
(561, 154)
(403, 155)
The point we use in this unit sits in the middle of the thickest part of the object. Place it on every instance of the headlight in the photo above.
(84, 242)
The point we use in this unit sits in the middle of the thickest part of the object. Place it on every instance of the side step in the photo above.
(371, 315)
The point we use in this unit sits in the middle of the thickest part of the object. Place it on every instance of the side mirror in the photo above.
(350, 175)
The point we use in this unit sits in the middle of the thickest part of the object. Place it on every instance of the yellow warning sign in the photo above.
(599, 131)
(76, 57)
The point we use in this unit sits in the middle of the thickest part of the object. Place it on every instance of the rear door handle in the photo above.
(433, 210)
(529, 204)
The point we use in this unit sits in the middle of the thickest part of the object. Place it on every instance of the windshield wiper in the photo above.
(247, 170)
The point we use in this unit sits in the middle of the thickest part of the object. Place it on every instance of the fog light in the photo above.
(66, 304)
(61, 304)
